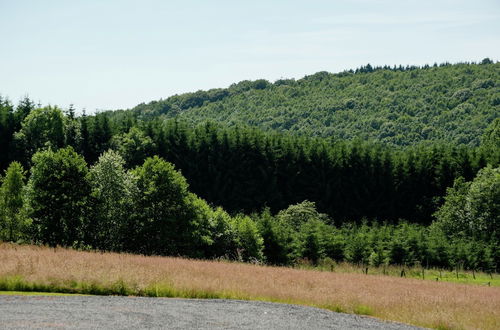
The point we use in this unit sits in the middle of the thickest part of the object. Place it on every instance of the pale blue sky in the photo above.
(101, 54)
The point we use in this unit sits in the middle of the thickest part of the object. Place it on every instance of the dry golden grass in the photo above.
(424, 303)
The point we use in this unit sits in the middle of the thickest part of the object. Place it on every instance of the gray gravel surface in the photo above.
(93, 312)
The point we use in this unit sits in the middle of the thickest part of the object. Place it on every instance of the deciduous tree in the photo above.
(57, 196)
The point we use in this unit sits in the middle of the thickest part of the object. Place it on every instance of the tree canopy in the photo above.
(394, 105)
(12, 218)
(57, 196)
(472, 209)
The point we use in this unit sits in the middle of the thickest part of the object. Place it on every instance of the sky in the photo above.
(103, 54)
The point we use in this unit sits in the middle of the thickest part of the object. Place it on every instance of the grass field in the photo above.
(433, 274)
(425, 303)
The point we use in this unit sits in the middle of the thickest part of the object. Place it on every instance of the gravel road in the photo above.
(85, 312)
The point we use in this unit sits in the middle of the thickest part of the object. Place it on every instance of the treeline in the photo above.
(244, 170)
(393, 105)
(146, 210)
(149, 210)
(300, 233)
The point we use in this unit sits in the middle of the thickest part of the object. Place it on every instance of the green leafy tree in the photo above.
(451, 216)
(223, 235)
(250, 243)
(57, 196)
(13, 223)
(473, 208)
(112, 189)
(196, 237)
(279, 239)
(483, 204)
(490, 141)
(298, 214)
(163, 219)
(42, 128)
(134, 146)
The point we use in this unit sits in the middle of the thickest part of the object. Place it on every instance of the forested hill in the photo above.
(398, 105)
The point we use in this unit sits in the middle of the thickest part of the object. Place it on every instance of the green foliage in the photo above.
(490, 140)
(483, 204)
(223, 235)
(357, 248)
(73, 136)
(160, 205)
(397, 106)
(473, 208)
(199, 232)
(169, 220)
(249, 241)
(113, 189)
(150, 210)
(451, 216)
(13, 223)
(7, 129)
(300, 214)
(246, 170)
(310, 238)
(279, 239)
(57, 195)
(134, 146)
(42, 128)
(293, 184)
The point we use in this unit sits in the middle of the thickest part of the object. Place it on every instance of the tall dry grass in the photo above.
(424, 303)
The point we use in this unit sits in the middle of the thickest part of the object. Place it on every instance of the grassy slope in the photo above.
(424, 303)
(454, 103)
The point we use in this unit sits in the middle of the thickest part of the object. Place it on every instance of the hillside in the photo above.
(397, 106)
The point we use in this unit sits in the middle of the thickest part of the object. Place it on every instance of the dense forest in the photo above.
(138, 182)
(393, 105)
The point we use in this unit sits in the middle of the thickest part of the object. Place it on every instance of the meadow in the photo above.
(457, 275)
(426, 303)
